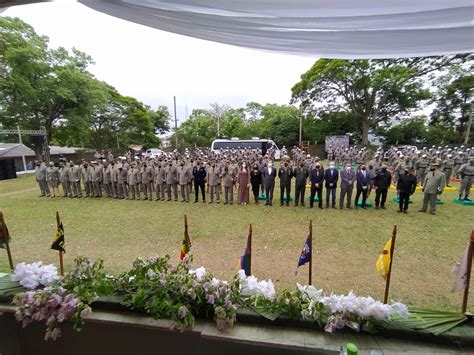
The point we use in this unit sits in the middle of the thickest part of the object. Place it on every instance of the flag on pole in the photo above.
(246, 257)
(460, 272)
(58, 242)
(4, 235)
(306, 252)
(185, 248)
(384, 260)
(186, 245)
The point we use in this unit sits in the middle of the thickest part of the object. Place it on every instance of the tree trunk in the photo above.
(365, 131)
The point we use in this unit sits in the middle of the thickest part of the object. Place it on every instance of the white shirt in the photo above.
(269, 171)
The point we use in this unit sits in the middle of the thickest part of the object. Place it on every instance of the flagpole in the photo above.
(186, 232)
(7, 245)
(392, 247)
(468, 276)
(61, 262)
(250, 249)
(311, 253)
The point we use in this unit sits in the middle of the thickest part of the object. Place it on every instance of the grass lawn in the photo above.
(347, 243)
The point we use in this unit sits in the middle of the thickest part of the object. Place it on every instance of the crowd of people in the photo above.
(216, 176)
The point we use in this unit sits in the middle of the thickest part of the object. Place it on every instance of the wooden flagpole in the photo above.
(186, 233)
(7, 244)
(468, 276)
(392, 247)
(311, 253)
(61, 262)
(250, 248)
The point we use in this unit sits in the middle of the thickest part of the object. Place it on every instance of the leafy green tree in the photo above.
(40, 86)
(199, 130)
(454, 98)
(373, 91)
(278, 122)
(233, 124)
(410, 131)
(315, 129)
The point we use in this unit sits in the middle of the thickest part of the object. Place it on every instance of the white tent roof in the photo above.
(325, 28)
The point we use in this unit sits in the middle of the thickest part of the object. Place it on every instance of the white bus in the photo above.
(254, 143)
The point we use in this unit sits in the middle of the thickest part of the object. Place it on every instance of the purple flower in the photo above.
(50, 320)
(54, 301)
(228, 303)
(210, 299)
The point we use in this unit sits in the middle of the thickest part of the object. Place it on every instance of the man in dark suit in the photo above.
(382, 181)
(199, 175)
(331, 176)
(316, 176)
(363, 183)
(285, 174)
(301, 174)
(406, 186)
(268, 177)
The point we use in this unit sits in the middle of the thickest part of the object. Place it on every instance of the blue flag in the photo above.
(306, 252)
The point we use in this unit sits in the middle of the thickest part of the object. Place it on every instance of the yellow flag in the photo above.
(384, 260)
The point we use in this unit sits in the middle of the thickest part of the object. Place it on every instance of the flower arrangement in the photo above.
(52, 305)
(62, 300)
(181, 293)
(36, 274)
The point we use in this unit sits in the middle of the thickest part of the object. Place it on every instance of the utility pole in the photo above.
(301, 126)
(175, 123)
(21, 146)
(468, 128)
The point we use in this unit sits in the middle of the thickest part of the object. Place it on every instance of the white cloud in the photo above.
(153, 65)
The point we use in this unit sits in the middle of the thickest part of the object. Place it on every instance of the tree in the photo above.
(315, 129)
(217, 111)
(278, 122)
(453, 98)
(198, 130)
(52, 88)
(40, 86)
(161, 119)
(411, 131)
(373, 91)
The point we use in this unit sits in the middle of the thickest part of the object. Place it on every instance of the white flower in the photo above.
(35, 274)
(241, 274)
(215, 282)
(267, 289)
(199, 272)
(364, 307)
(150, 273)
(400, 309)
(250, 286)
(310, 292)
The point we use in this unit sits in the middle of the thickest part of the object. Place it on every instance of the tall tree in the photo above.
(40, 86)
(373, 91)
(454, 99)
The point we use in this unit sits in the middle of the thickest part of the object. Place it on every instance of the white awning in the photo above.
(323, 28)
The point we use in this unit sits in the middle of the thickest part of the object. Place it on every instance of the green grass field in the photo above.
(347, 242)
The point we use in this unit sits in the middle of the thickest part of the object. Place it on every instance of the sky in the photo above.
(153, 66)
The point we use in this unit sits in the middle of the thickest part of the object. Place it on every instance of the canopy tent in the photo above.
(324, 28)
